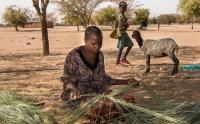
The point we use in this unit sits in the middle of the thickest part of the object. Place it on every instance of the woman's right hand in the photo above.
(75, 94)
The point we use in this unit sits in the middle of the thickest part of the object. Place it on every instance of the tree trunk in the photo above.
(41, 11)
(158, 26)
(192, 25)
(45, 40)
(192, 22)
(77, 27)
(88, 22)
(16, 28)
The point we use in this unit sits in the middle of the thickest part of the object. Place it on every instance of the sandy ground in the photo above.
(24, 70)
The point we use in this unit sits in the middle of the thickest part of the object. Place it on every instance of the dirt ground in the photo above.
(24, 70)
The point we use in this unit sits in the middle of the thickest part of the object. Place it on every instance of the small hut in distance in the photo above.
(35, 23)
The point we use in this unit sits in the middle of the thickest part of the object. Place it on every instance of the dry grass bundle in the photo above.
(16, 110)
(165, 113)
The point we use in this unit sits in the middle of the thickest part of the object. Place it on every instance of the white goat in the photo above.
(158, 48)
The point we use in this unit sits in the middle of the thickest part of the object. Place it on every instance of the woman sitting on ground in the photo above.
(84, 71)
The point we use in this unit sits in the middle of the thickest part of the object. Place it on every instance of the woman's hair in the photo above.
(93, 30)
(123, 4)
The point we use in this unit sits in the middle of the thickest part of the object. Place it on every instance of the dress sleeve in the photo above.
(69, 77)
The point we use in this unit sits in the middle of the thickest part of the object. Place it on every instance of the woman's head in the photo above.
(93, 39)
(123, 6)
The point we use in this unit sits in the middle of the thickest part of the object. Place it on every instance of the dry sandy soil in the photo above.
(24, 70)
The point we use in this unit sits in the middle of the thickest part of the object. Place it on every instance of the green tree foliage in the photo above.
(79, 12)
(190, 9)
(73, 21)
(180, 19)
(141, 15)
(74, 14)
(15, 16)
(107, 16)
(153, 20)
(172, 18)
(167, 18)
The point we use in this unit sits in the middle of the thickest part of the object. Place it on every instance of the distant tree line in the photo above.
(171, 19)
(108, 15)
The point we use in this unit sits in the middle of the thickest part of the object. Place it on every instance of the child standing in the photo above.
(124, 40)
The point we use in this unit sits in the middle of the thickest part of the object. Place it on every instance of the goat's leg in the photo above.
(176, 63)
(148, 63)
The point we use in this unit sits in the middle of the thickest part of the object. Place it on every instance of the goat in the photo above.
(157, 48)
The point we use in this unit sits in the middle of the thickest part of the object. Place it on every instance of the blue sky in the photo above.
(156, 7)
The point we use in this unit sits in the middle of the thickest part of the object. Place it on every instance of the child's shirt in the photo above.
(122, 23)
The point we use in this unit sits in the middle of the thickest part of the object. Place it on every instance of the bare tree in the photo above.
(41, 7)
(80, 10)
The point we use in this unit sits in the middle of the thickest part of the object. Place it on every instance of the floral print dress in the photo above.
(80, 75)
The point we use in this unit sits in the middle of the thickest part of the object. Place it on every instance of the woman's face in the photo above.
(93, 44)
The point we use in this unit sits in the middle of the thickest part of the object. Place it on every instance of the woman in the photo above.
(84, 69)
(124, 40)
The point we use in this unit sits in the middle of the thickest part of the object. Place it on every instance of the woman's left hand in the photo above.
(131, 80)
(126, 81)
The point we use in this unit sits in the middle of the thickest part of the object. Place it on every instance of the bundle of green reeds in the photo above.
(16, 110)
(163, 113)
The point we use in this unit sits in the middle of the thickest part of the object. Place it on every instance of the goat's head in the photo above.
(137, 36)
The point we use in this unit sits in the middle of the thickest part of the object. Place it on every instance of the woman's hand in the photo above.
(126, 81)
(75, 94)
(131, 80)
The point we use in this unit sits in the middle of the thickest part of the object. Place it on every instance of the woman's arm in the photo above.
(123, 81)
(110, 81)
(69, 78)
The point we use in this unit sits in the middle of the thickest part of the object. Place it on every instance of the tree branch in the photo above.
(46, 2)
(36, 5)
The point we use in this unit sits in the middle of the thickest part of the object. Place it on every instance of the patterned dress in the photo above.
(80, 75)
(124, 40)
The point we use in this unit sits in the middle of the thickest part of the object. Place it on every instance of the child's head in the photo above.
(123, 6)
(93, 39)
